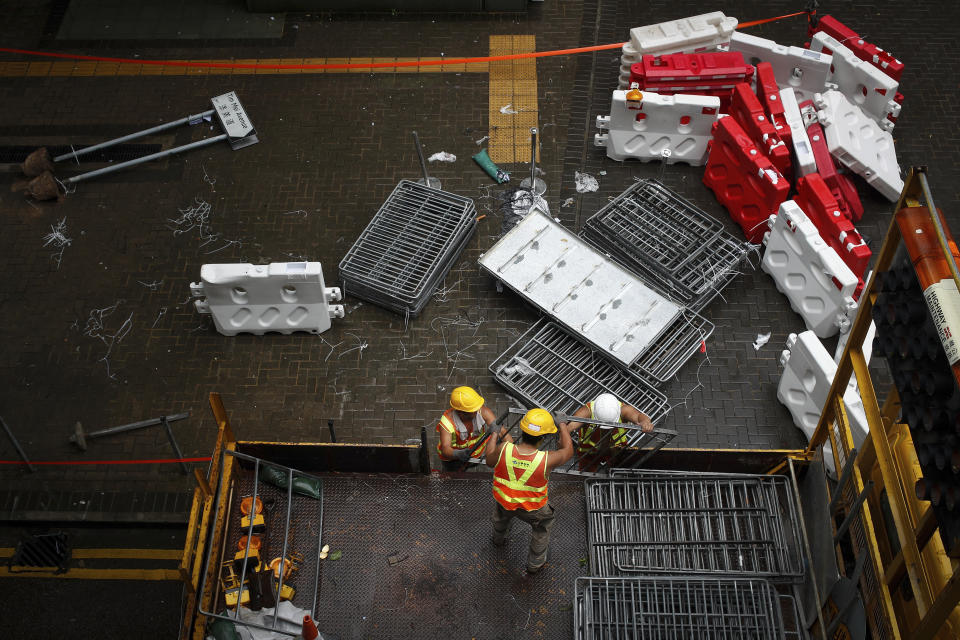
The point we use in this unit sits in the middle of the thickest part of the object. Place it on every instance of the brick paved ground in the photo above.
(334, 146)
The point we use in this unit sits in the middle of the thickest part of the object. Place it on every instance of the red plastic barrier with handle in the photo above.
(814, 197)
(749, 114)
(702, 74)
(840, 185)
(743, 179)
(769, 94)
(883, 60)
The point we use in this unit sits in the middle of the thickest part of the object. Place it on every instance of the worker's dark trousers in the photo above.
(540, 520)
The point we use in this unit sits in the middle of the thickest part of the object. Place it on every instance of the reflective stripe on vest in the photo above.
(529, 491)
(586, 440)
(456, 442)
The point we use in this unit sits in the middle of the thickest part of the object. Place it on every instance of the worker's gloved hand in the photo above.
(461, 454)
(493, 427)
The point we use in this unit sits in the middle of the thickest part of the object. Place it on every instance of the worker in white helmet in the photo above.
(606, 408)
(462, 428)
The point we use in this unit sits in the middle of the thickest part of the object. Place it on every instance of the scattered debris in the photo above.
(396, 558)
(585, 182)
(297, 212)
(198, 217)
(495, 172)
(568, 202)
(324, 552)
(59, 239)
(94, 328)
(762, 339)
(482, 140)
(442, 156)
(153, 286)
(163, 312)
(361, 345)
(404, 356)
(206, 178)
(508, 110)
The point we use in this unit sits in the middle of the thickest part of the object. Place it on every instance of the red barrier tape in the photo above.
(354, 65)
(75, 462)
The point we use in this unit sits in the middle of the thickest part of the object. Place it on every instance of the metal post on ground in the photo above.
(194, 119)
(80, 437)
(16, 444)
(433, 183)
(153, 156)
(535, 185)
(173, 443)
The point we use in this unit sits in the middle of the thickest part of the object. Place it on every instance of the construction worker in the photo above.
(461, 428)
(607, 408)
(520, 481)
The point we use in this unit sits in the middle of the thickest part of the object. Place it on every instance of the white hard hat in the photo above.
(606, 408)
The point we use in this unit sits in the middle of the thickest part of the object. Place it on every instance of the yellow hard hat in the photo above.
(538, 422)
(465, 399)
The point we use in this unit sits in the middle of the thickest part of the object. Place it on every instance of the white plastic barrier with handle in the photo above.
(802, 149)
(283, 297)
(861, 82)
(645, 129)
(819, 285)
(802, 70)
(859, 143)
(696, 34)
(808, 372)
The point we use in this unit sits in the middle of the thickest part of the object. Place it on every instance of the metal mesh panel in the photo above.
(408, 246)
(660, 522)
(678, 248)
(549, 368)
(650, 608)
(665, 356)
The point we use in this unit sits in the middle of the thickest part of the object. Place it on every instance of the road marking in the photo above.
(514, 83)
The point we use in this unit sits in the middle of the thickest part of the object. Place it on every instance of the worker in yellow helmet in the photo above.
(607, 408)
(462, 426)
(520, 481)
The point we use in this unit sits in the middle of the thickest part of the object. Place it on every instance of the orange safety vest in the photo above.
(618, 438)
(520, 479)
(472, 439)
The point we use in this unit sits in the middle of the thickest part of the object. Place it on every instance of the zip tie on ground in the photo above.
(354, 65)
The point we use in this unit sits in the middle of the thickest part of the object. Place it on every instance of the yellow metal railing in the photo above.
(885, 457)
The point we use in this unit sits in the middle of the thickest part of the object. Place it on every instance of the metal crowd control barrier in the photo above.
(673, 244)
(692, 607)
(408, 247)
(626, 447)
(654, 522)
(898, 532)
(546, 367)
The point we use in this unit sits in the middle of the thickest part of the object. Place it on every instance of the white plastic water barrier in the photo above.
(585, 291)
(859, 143)
(861, 82)
(705, 32)
(802, 70)
(808, 372)
(283, 296)
(803, 151)
(809, 272)
(645, 129)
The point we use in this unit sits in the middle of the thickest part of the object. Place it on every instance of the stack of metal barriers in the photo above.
(408, 247)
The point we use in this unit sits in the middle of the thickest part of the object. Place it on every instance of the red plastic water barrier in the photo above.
(873, 54)
(816, 200)
(840, 185)
(769, 94)
(749, 113)
(743, 179)
(702, 74)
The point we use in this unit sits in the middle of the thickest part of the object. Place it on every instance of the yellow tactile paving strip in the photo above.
(86, 69)
(514, 83)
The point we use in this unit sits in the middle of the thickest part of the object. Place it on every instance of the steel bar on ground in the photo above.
(153, 156)
(134, 136)
(16, 445)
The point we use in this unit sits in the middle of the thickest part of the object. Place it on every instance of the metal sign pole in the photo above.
(535, 185)
(153, 156)
(16, 445)
(433, 183)
(139, 134)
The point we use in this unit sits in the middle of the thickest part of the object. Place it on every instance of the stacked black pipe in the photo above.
(930, 399)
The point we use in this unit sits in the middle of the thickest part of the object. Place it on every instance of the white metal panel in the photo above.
(806, 270)
(861, 82)
(802, 70)
(585, 291)
(283, 296)
(705, 32)
(679, 124)
(806, 161)
(858, 142)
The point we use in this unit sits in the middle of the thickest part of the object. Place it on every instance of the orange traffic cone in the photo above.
(309, 629)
